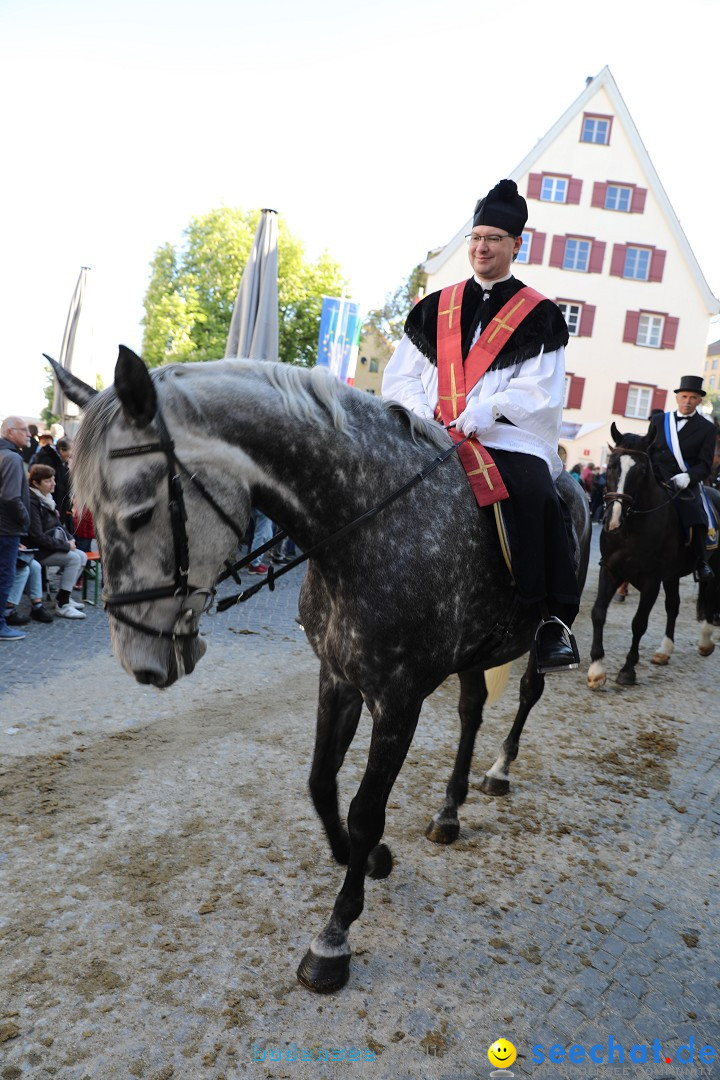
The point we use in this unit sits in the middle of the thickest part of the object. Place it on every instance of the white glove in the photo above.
(681, 480)
(477, 419)
(424, 412)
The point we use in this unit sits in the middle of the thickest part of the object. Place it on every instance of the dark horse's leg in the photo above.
(648, 596)
(497, 779)
(339, 708)
(444, 826)
(607, 587)
(326, 965)
(672, 607)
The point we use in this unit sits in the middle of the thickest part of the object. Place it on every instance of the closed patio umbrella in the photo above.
(254, 325)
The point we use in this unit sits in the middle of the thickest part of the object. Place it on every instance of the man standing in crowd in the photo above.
(14, 510)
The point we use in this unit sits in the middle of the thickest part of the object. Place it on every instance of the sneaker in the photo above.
(76, 604)
(39, 614)
(7, 633)
(261, 569)
(14, 618)
(67, 611)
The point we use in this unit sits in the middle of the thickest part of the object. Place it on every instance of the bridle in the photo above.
(628, 501)
(181, 587)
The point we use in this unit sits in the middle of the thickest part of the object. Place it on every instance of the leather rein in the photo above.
(623, 498)
(181, 588)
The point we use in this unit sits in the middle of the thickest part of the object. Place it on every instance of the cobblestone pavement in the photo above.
(581, 911)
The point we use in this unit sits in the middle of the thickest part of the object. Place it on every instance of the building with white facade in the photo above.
(603, 241)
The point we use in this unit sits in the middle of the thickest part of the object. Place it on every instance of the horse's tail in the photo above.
(496, 679)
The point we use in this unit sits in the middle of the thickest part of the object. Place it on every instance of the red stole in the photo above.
(456, 379)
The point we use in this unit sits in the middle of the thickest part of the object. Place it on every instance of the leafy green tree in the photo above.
(389, 320)
(192, 290)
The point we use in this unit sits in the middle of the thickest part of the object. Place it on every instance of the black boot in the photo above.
(555, 647)
(703, 571)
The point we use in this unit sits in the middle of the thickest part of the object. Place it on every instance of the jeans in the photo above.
(33, 571)
(264, 530)
(8, 557)
(72, 563)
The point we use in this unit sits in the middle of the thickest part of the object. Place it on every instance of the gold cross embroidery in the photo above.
(453, 397)
(453, 307)
(483, 468)
(502, 325)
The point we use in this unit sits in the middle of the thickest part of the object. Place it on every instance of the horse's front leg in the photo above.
(326, 965)
(648, 596)
(339, 708)
(672, 607)
(497, 779)
(444, 827)
(607, 586)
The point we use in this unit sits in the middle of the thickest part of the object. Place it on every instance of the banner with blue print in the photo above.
(340, 326)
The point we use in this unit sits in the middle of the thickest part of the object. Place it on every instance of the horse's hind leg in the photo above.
(497, 779)
(444, 827)
(326, 965)
(339, 708)
(672, 607)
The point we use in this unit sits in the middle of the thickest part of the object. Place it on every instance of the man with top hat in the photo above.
(485, 358)
(682, 457)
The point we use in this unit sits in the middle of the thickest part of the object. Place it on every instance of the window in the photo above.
(553, 189)
(651, 329)
(533, 246)
(616, 195)
(639, 401)
(574, 386)
(596, 129)
(578, 316)
(712, 383)
(714, 364)
(636, 263)
(577, 254)
(373, 361)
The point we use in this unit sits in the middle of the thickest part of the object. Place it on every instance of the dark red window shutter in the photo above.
(537, 247)
(670, 332)
(638, 200)
(534, 185)
(598, 195)
(597, 256)
(632, 322)
(557, 251)
(659, 398)
(574, 192)
(657, 265)
(575, 393)
(617, 263)
(587, 319)
(620, 399)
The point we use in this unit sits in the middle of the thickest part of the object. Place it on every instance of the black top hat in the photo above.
(692, 384)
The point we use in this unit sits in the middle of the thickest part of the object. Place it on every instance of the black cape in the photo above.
(544, 327)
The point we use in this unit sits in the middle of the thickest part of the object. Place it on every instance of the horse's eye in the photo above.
(136, 521)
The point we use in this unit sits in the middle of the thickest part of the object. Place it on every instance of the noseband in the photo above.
(611, 497)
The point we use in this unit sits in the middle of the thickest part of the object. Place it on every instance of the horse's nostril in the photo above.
(150, 678)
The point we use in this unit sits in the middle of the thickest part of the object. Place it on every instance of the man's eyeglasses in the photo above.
(492, 241)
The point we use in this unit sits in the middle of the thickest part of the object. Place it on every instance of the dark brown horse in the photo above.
(642, 542)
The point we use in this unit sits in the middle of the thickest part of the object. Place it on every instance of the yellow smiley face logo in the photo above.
(502, 1054)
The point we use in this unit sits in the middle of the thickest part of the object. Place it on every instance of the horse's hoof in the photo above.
(494, 785)
(596, 681)
(379, 863)
(707, 650)
(661, 659)
(323, 974)
(443, 832)
(626, 678)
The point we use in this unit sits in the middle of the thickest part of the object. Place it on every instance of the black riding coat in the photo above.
(697, 445)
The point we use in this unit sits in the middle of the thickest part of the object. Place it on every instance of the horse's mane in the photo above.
(310, 395)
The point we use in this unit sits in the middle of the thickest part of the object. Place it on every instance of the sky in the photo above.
(372, 128)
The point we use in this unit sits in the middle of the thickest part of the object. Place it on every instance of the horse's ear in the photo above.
(72, 387)
(617, 435)
(135, 388)
(649, 439)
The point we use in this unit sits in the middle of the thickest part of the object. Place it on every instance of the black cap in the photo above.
(502, 207)
(691, 384)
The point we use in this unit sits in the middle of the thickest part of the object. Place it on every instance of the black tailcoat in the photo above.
(697, 446)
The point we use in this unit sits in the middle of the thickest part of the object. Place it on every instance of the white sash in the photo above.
(674, 442)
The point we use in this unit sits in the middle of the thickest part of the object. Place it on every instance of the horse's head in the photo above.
(138, 447)
(629, 470)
